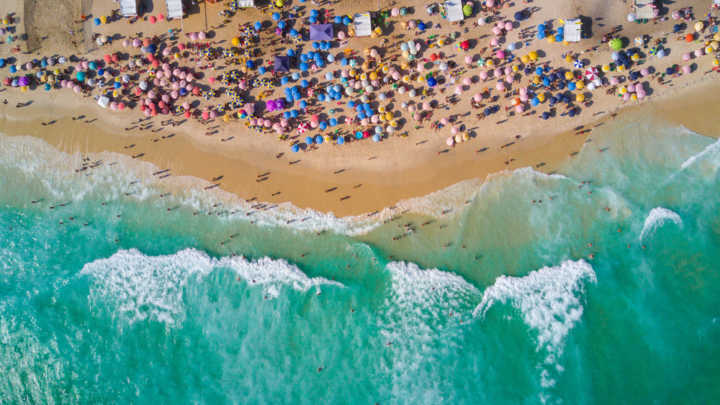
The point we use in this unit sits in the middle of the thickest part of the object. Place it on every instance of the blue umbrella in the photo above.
(351, 104)
(538, 71)
(295, 148)
(282, 25)
(304, 83)
(337, 19)
(295, 75)
(333, 121)
(431, 82)
(346, 20)
(262, 70)
(96, 21)
(304, 66)
(421, 26)
(535, 101)
(303, 104)
(257, 25)
(293, 32)
(294, 113)
(318, 139)
(47, 87)
(276, 16)
(284, 80)
(2, 62)
(312, 19)
(545, 115)
(358, 135)
(117, 85)
(309, 140)
(376, 138)
(290, 52)
(340, 140)
(571, 86)
(323, 126)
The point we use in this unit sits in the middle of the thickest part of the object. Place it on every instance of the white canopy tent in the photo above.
(246, 3)
(645, 9)
(363, 24)
(174, 9)
(573, 30)
(453, 10)
(128, 8)
(103, 101)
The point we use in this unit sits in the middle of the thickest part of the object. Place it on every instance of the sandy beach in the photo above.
(363, 176)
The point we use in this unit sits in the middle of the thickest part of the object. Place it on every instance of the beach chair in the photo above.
(128, 8)
(174, 9)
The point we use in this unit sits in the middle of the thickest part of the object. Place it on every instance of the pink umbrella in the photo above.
(194, 36)
(524, 98)
(686, 69)
(626, 97)
(444, 121)
(284, 123)
(454, 130)
(159, 74)
(458, 89)
(374, 119)
(498, 72)
(76, 89)
(314, 118)
(699, 52)
(341, 35)
(641, 93)
(450, 141)
(614, 81)
(121, 106)
(508, 26)
(494, 42)
(136, 43)
(490, 3)
(468, 59)
(467, 81)
(363, 121)
(201, 35)
(477, 97)
(644, 72)
(509, 78)
(113, 105)
(500, 86)
(500, 54)
(483, 75)
(166, 51)
(126, 43)
(186, 106)
(519, 108)
(508, 71)
(496, 30)
(213, 115)
(631, 87)
(181, 47)
(686, 57)
(165, 98)
(426, 106)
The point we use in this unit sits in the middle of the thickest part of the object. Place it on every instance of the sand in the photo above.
(362, 177)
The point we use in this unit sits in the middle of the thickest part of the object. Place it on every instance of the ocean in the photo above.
(594, 284)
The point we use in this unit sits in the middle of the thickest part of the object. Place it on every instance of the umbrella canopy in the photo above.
(281, 64)
(321, 32)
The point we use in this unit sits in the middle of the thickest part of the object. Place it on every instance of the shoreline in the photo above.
(184, 156)
(361, 177)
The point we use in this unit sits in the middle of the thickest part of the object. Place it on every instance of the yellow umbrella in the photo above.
(633, 97)
(235, 41)
(536, 80)
(489, 63)
(709, 49)
(516, 68)
(580, 98)
(541, 97)
(393, 123)
(525, 59)
(24, 89)
(103, 19)
(388, 116)
(699, 26)
(533, 55)
(441, 42)
(580, 84)
(385, 69)
(226, 118)
(714, 45)
(622, 90)
(621, 68)
(373, 76)
(716, 62)
(569, 75)
(551, 39)
(605, 68)
(381, 109)
(363, 76)
(635, 57)
(569, 58)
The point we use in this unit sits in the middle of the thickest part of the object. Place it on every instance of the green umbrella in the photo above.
(616, 44)
(467, 10)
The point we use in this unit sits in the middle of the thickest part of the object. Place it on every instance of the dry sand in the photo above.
(360, 177)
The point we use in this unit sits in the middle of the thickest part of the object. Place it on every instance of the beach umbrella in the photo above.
(615, 44)
(295, 148)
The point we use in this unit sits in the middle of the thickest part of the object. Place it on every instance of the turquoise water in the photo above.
(604, 292)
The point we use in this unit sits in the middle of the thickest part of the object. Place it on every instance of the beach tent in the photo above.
(646, 9)
(363, 24)
(453, 10)
(321, 32)
(174, 9)
(245, 3)
(128, 8)
(573, 30)
(103, 101)
(281, 64)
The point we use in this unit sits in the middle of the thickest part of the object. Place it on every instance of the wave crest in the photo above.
(657, 217)
(152, 286)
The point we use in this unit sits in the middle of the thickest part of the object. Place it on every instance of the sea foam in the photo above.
(657, 217)
(152, 286)
(549, 303)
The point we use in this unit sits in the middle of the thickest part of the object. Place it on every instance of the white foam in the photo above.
(152, 286)
(657, 217)
(422, 311)
(549, 304)
(709, 150)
